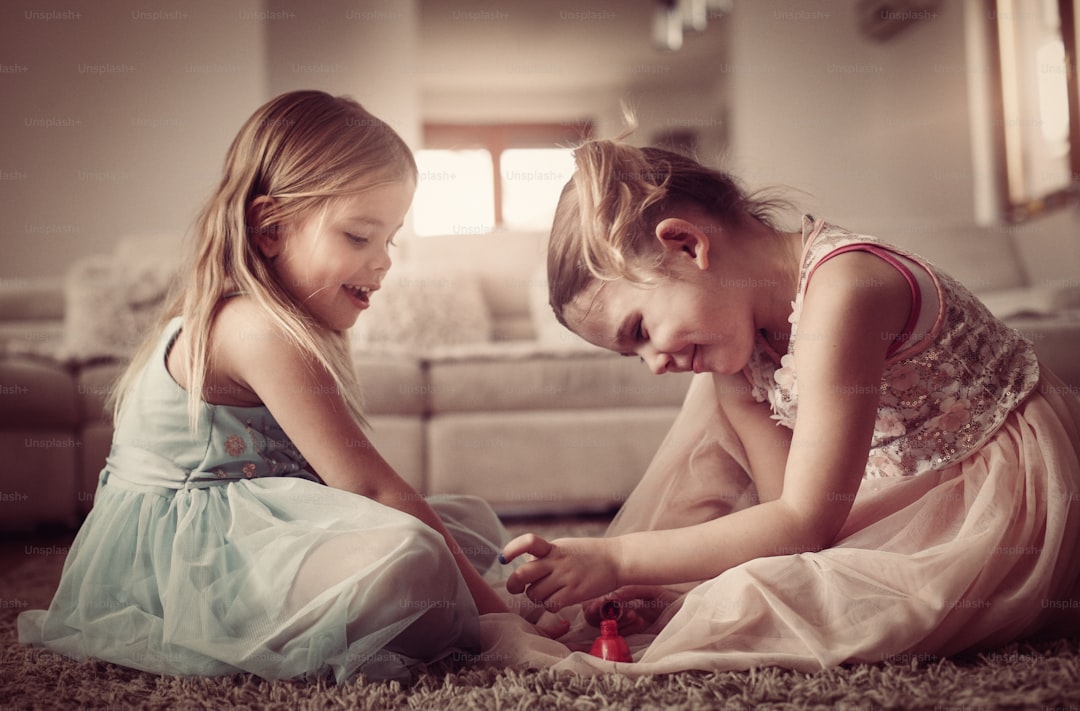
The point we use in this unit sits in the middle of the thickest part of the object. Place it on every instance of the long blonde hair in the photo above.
(607, 213)
(302, 149)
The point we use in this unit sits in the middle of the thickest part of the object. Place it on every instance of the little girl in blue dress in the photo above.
(243, 522)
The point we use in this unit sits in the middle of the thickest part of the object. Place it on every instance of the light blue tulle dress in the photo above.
(218, 552)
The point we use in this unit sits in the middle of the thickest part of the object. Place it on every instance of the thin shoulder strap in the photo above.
(916, 294)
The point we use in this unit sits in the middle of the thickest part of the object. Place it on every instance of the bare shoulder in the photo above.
(857, 289)
(245, 342)
(241, 326)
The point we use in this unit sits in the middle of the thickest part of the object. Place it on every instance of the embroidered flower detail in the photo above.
(249, 470)
(954, 414)
(889, 423)
(785, 374)
(880, 464)
(905, 377)
(235, 445)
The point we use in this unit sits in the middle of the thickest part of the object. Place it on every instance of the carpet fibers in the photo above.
(1042, 676)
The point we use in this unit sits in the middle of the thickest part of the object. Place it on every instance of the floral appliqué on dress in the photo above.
(264, 451)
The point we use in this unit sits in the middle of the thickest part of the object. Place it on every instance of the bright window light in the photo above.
(532, 179)
(455, 194)
(1054, 94)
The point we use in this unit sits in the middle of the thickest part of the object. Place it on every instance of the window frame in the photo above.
(1008, 146)
(498, 137)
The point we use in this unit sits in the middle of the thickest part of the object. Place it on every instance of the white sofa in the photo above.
(471, 385)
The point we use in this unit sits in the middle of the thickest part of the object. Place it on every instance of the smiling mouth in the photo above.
(361, 295)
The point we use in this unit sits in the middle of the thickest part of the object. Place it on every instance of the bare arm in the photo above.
(806, 481)
(304, 400)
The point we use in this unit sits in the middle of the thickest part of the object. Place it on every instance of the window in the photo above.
(532, 180)
(455, 193)
(1038, 116)
(478, 179)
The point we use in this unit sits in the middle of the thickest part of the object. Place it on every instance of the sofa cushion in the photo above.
(111, 302)
(555, 461)
(529, 377)
(94, 385)
(392, 385)
(1046, 300)
(1056, 340)
(503, 263)
(36, 299)
(36, 393)
(982, 258)
(421, 306)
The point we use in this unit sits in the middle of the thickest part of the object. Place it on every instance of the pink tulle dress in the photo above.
(964, 535)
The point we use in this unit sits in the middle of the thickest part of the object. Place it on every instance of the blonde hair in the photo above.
(302, 150)
(607, 213)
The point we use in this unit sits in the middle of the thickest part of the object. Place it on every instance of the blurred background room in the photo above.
(949, 127)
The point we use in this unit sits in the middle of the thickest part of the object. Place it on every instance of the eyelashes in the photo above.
(362, 240)
(638, 336)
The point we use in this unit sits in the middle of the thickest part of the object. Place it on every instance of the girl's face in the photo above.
(677, 325)
(333, 260)
(702, 314)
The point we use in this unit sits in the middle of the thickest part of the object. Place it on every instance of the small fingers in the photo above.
(534, 580)
(527, 543)
(525, 576)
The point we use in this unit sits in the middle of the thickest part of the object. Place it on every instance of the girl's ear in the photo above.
(681, 236)
(266, 238)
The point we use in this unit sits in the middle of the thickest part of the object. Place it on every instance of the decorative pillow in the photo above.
(112, 301)
(549, 332)
(421, 307)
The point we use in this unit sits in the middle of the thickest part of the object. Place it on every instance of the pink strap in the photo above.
(916, 293)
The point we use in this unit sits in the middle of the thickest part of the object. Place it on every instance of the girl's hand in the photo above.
(640, 605)
(565, 571)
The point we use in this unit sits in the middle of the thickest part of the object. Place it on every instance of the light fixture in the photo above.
(674, 18)
(667, 26)
(695, 15)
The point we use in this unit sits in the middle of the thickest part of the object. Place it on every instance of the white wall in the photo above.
(361, 48)
(116, 115)
(115, 120)
(878, 135)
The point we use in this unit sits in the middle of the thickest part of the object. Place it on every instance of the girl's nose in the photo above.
(658, 361)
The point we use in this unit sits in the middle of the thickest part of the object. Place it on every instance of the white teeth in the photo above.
(360, 292)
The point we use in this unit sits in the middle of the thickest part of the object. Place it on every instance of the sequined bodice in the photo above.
(940, 398)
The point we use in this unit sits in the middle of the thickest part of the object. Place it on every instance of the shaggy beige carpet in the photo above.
(1040, 676)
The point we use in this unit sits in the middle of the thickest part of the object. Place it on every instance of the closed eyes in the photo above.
(636, 335)
(361, 239)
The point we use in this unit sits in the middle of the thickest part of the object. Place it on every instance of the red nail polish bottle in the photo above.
(610, 645)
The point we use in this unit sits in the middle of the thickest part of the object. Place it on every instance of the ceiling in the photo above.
(555, 46)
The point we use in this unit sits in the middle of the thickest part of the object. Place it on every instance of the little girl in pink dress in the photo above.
(899, 479)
